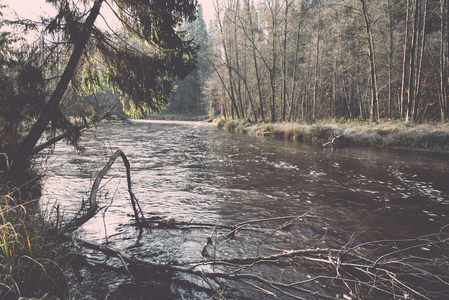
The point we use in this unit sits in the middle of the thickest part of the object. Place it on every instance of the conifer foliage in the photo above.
(131, 46)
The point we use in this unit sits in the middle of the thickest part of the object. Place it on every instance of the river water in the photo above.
(195, 172)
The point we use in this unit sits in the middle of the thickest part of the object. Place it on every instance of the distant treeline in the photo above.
(287, 60)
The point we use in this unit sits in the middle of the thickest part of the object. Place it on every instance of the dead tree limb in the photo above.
(350, 267)
(130, 259)
(389, 267)
(241, 225)
(90, 209)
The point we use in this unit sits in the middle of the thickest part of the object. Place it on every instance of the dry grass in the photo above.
(434, 137)
(33, 263)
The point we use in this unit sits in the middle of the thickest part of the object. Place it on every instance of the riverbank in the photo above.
(391, 134)
(178, 117)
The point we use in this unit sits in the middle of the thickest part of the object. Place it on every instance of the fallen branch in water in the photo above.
(395, 269)
(89, 210)
(142, 263)
(335, 139)
(351, 269)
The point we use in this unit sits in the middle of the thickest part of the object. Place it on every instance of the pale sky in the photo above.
(31, 9)
(208, 10)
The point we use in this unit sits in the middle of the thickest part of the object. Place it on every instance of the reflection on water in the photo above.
(196, 172)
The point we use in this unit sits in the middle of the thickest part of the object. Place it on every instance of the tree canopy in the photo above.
(134, 47)
(189, 95)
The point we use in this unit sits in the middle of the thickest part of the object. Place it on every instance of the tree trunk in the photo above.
(284, 62)
(443, 61)
(317, 65)
(411, 78)
(421, 57)
(25, 150)
(274, 59)
(295, 64)
(404, 61)
(390, 59)
(374, 96)
(237, 64)
(256, 67)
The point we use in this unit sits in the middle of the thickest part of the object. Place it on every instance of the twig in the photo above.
(209, 241)
(408, 248)
(239, 226)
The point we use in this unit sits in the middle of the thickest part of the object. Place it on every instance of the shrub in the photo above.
(230, 125)
(221, 123)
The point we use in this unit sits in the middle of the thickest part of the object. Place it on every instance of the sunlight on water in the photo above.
(194, 172)
(186, 169)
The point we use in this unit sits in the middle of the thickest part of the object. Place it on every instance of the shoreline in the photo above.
(430, 137)
(391, 134)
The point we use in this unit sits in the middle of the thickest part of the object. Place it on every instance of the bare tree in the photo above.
(295, 61)
(411, 79)
(444, 42)
(227, 55)
(374, 105)
(274, 9)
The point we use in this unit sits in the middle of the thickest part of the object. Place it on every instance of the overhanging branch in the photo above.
(66, 134)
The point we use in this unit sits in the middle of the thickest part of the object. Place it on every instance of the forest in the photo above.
(266, 61)
(301, 60)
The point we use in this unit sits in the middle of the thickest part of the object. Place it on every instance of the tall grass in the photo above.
(33, 262)
(393, 134)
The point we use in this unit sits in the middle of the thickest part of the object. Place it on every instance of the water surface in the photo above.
(196, 172)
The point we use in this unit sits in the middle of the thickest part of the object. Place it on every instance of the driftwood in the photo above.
(336, 139)
(90, 209)
(333, 141)
(393, 269)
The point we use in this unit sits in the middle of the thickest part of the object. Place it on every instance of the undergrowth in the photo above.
(387, 133)
(33, 261)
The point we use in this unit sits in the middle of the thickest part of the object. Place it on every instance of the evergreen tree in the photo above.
(93, 54)
(189, 91)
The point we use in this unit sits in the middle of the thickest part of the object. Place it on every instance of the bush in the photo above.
(230, 125)
(221, 123)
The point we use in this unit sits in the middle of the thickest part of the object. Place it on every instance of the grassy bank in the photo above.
(432, 137)
(34, 263)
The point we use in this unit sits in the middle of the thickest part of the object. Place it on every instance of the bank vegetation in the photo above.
(388, 134)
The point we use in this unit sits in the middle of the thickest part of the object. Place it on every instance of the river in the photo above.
(195, 172)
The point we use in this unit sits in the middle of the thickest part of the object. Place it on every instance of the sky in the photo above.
(31, 9)
(208, 10)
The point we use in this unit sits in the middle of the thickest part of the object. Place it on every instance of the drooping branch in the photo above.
(67, 134)
(26, 148)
